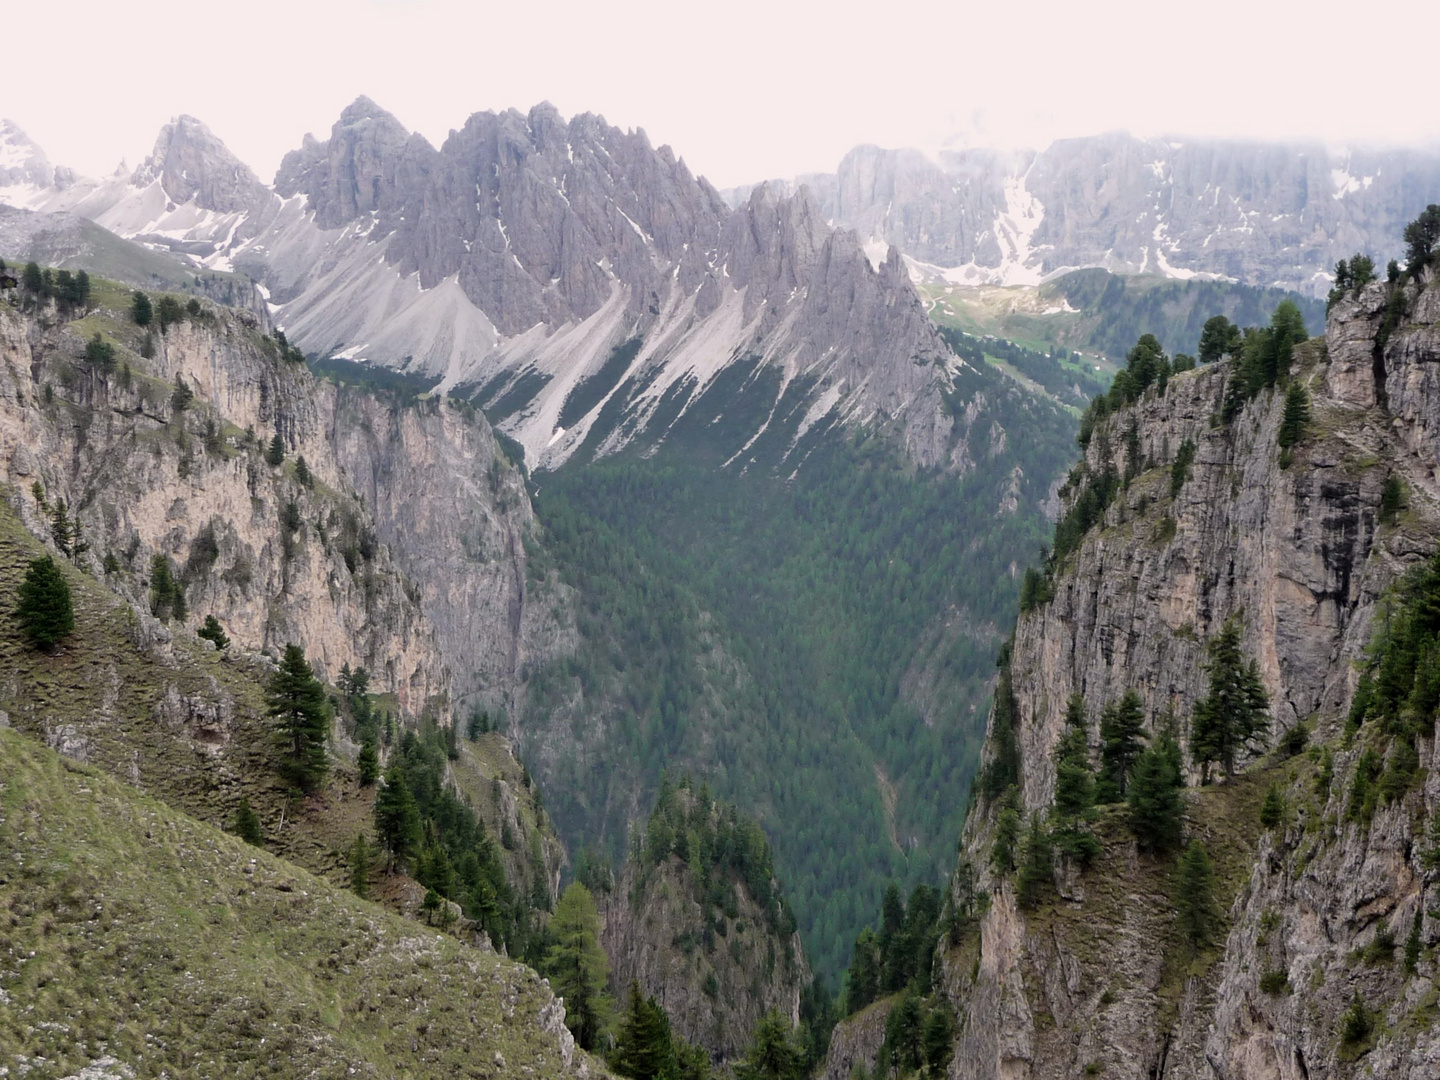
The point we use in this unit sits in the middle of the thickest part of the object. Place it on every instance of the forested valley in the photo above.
(817, 642)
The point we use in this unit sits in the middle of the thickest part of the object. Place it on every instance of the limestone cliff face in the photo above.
(1302, 555)
(454, 511)
(145, 477)
(409, 557)
(413, 570)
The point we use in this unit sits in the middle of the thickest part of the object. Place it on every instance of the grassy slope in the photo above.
(130, 930)
(1133, 898)
(187, 725)
(484, 767)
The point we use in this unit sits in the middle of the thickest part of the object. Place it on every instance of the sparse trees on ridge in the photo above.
(1422, 240)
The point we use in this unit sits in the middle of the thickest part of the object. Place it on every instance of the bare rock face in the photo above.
(355, 172)
(716, 977)
(523, 208)
(1303, 557)
(190, 163)
(856, 1041)
(528, 252)
(941, 213)
(455, 513)
(146, 478)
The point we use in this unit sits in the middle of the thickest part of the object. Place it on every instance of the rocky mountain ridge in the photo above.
(162, 465)
(409, 555)
(1264, 214)
(521, 257)
(1311, 906)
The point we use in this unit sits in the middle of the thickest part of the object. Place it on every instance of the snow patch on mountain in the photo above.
(1346, 184)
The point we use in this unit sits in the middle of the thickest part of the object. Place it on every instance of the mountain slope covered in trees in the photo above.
(817, 646)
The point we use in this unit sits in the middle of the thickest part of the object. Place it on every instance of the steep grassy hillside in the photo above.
(137, 938)
(163, 710)
(156, 458)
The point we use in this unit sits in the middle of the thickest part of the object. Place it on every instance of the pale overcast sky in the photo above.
(743, 90)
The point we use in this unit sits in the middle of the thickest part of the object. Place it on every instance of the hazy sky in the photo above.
(743, 90)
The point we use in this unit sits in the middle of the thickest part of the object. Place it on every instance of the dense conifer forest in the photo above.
(822, 588)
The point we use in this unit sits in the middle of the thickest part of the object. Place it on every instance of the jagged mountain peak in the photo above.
(23, 163)
(191, 162)
(363, 108)
(354, 172)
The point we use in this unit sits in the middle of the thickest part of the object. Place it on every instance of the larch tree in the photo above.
(295, 700)
(1074, 805)
(578, 967)
(773, 1054)
(1234, 715)
(45, 610)
(1122, 736)
(397, 816)
(644, 1047)
(1154, 798)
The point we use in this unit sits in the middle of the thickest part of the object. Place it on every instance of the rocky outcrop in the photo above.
(145, 476)
(856, 1042)
(23, 165)
(454, 511)
(407, 551)
(279, 555)
(489, 775)
(191, 165)
(1302, 555)
(359, 170)
(693, 934)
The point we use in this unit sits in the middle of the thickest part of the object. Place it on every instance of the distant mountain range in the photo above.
(587, 289)
(1264, 214)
